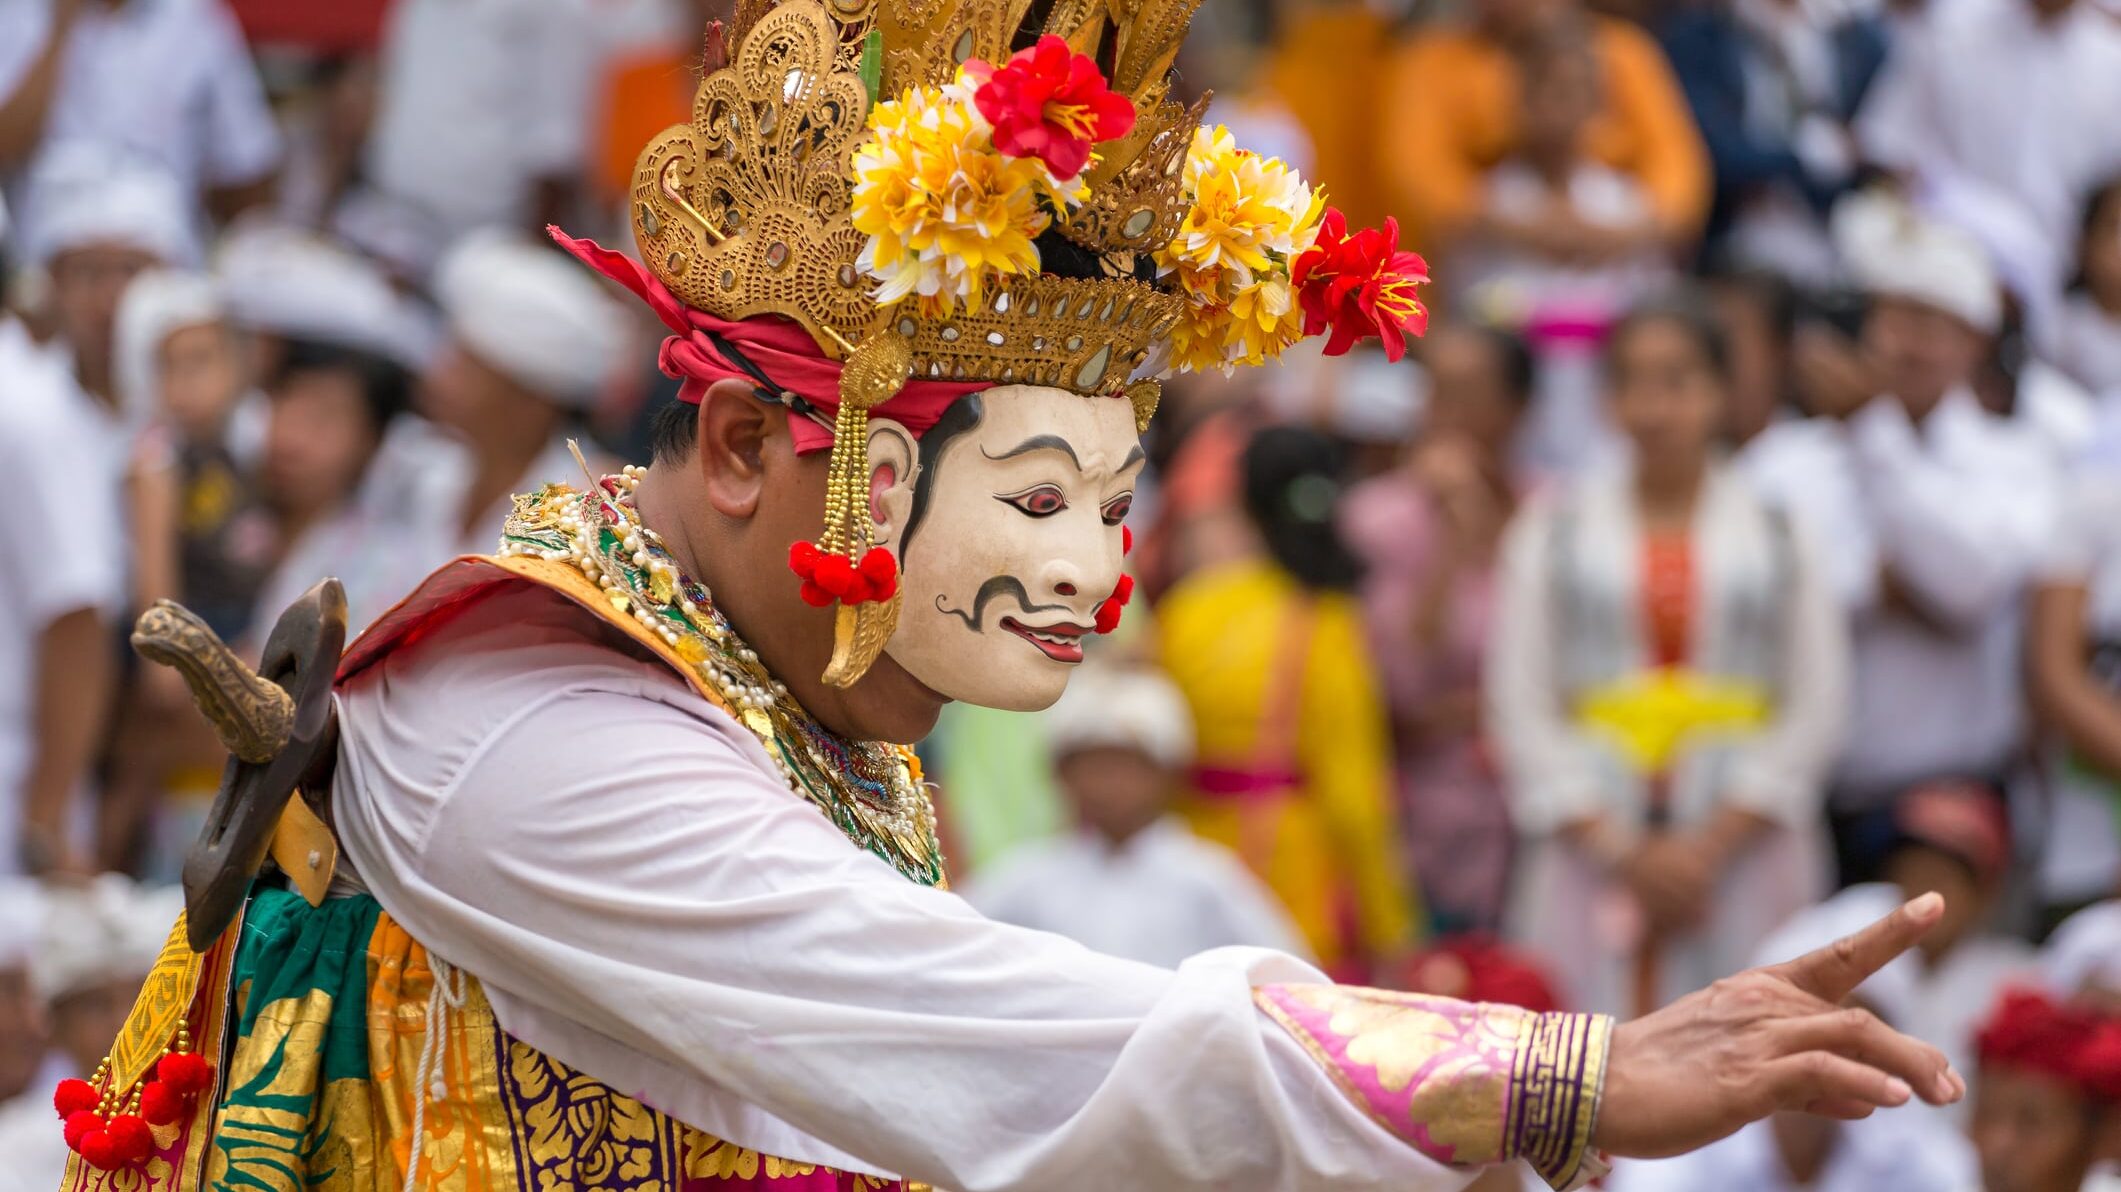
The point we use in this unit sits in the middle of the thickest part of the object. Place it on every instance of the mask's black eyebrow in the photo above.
(1039, 443)
(1133, 457)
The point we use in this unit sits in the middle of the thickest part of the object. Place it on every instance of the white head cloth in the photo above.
(21, 921)
(287, 282)
(1110, 706)
(106, 931)
(157, 304)
(536, 316)
(1894, 250)
(1891, 990)
(80, 195)
(2084, 951)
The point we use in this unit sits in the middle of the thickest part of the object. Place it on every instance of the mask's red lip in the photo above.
(1059, 651)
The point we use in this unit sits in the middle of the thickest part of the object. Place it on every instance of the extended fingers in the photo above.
(1859, 1035)
(1821, 1079)
(1833, 972)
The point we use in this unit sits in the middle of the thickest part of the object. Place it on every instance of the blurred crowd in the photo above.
(1739, 552)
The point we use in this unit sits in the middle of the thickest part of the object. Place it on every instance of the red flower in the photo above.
(74, 1096)
(1360, 285)
(1051, 103)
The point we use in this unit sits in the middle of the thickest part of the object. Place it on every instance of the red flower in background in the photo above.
(1360, 285)
(1051, 103)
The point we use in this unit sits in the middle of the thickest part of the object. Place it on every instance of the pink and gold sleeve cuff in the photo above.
(1467, 1084)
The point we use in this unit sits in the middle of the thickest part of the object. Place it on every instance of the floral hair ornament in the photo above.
(933, 208)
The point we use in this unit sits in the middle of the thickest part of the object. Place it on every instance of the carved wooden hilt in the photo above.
(252, 716)
(278, 724)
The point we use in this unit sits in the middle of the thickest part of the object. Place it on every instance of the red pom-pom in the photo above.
(1124, 593)
(878, 566)
(835, 574)
(160, 1104)
(1126, 540)
(882, 590)
(1108, 615)
(815, 596)
(185, 1073)
(100, 1151)
(75, 1096)
(802, 559)
(859, 589)
(80, 1126)
(131, 1138)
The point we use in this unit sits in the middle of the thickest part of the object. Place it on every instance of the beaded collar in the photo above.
(871, 791)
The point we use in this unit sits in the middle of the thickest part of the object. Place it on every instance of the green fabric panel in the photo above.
(290, 948)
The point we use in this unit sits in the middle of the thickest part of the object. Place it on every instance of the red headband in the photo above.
(777, 347)
(2027, 1029)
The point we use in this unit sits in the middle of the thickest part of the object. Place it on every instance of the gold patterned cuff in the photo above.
(1464, 1083)
(1556, 1084)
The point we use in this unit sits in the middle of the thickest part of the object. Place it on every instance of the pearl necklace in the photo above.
(871, 791)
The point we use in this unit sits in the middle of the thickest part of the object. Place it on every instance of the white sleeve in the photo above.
(243, 142)
(1964, 539)
(643, 902)
(2086, 531)
(1552, 769)
(566, 50)
(1781, 774)
(24, 29)
(65, 491)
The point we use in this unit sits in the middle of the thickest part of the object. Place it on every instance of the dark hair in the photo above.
(385, 384)
(1689, 312)
(1292, 479)
(958, 417)
(2105, 193)
(1520, 369)
(1770, 291)
(673, 431)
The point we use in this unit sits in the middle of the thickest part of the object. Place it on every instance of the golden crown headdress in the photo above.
(749, 209)
(999, 191)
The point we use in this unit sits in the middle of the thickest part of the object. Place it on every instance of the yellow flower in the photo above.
(1249, 212)
(1254, 325)
(945, 212)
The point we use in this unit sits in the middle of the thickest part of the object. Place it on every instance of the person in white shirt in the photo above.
(2008, 96)
(1935, 512)
(1912, 1149)
(1131, 881)
(2046, 1105)
(2082, 959)
(58, 602)
(532, 339)
(167, 80)
(22, 1025)
(1953, 840)
(96, 943)
(483, 117)
(2073, 646)
(2082, 335)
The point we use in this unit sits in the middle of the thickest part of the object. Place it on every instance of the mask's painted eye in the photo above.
(1115, 510)
(1043, 501)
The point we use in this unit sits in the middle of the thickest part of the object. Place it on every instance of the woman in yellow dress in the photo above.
(1294, 754)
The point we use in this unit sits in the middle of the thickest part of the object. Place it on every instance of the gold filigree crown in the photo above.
(747, 210)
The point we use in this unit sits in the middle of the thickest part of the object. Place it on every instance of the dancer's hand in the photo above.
(1767, 1040)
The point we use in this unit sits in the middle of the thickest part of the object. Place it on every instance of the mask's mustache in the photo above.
(987, 592)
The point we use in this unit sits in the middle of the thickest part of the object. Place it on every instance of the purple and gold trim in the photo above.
(1467, 1084)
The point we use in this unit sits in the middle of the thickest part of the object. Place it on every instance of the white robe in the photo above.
(644, 899)
(1763, 612)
